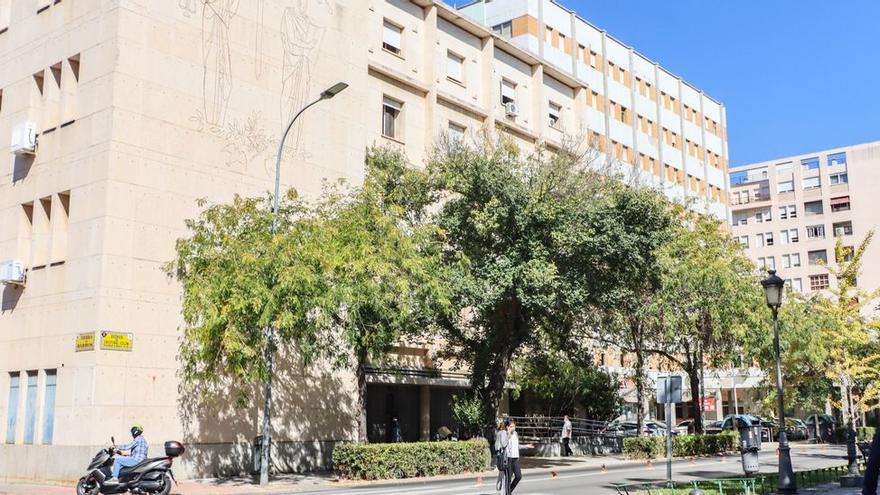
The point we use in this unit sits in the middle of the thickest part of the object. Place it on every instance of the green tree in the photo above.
(710, 300)
(533, 239)
(343, 280)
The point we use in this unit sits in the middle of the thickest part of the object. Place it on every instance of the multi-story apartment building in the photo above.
(789, 213)
(139, 108)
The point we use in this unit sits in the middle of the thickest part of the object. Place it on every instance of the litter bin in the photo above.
(750, 444)
(257, 453)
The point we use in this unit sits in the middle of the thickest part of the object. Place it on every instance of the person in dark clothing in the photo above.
(872, 470)
(394, 431)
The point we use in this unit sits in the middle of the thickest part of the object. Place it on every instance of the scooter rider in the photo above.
(137, 452)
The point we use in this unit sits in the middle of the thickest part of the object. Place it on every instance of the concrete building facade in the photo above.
(139, 108)
(789, 213)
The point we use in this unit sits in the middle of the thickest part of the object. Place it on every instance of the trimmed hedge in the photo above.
(378, 461)
(863, 434)
(682, 445)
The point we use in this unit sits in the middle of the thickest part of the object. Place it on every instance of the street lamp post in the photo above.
(774, 287)
(270, 332)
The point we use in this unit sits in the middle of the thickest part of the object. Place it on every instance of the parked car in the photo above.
(687, 426)
(650, 428)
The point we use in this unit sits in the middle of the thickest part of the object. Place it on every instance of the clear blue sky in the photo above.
(795, 75)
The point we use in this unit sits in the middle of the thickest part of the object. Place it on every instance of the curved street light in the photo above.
(270, 332)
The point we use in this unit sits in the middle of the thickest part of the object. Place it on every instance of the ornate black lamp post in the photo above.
(774, 287)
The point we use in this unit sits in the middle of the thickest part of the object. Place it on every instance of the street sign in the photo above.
(85, 342)
(669, 389)
(115, 341)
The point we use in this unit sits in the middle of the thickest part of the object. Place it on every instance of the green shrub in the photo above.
(682, 445)
(865, 433)
(409, 460)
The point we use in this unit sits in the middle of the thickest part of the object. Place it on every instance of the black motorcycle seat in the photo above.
(129, 469)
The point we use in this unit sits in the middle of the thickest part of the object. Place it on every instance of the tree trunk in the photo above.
(362, 396)
(494, 389)
(696, 403)
(635, 328)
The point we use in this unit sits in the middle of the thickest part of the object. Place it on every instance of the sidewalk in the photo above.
(831, 489)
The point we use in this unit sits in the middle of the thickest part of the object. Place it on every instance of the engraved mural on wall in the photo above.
(217, 57)
(302, 29)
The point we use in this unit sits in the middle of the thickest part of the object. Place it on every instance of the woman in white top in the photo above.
(513, 454)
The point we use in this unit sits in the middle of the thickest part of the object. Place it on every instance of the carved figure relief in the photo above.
(217, 58)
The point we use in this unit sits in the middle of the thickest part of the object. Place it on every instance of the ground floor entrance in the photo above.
(420, 410)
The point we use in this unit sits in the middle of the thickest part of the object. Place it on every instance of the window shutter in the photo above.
(392, 35)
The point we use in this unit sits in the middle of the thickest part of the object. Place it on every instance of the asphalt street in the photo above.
(590, 481)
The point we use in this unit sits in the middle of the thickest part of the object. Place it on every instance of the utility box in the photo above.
(24, 139)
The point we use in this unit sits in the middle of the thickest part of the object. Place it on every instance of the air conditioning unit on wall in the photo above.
(24, 139)
(511, 109)
(12, 273)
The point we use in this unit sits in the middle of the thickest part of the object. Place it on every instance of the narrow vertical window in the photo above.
(392, 38)
(30, 408)
(49, 406)
(391, 110)
(554, 113)
(456, 132)
(455, 67)
(508, 92)
(12, 406)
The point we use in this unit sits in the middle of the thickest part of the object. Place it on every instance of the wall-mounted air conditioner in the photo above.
(12, 273)
(24, 139)
(511, 109)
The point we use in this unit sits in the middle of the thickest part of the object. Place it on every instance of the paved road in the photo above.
(590, 481)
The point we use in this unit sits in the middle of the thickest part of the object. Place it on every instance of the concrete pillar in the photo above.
(719, 409)
(425, 413)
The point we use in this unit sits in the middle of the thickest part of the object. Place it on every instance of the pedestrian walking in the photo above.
(566, 436)
(513, 468)
(872, 470)
(501, 441)
(394, 431)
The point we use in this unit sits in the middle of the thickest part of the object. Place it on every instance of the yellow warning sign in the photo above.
(85, 342)
(115, 341)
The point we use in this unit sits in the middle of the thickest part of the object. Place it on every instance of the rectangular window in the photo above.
(508, 92)
(837, 159)
(810, 163)
(842, 228)
(812, 182)
(793, 234)
(797, 285)
(762, 262)
(785, 186)
(819, 282)
(813, 208)
(783, 168)
(792, 211)
(783, 237)
(796, 260)
(554, 112)
(391, 110)
(786, 261)
(392, 37)
(740, 219)
(49, 406)
(783, 212)
(847, 252)
(840, 204)
(816, 232)
(744, 241)
(768, 238)
(814, 257)
(455, 67)
(12, 406)
(456, 132)
(30, 408)
(505, 29)
(771, 262)
(841, 178)
(759, 240)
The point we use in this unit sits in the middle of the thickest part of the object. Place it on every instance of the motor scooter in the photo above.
(150, 476)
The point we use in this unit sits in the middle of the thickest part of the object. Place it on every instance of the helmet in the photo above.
(136, 430)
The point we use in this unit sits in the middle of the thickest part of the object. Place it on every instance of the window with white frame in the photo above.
(768, 238)
(508, 91)
(554, 113)
(783, 168)
(740, 219)
(786, 261)
(793, 235)
(505, 29)
(759, 240)
(785, 186)
(391, 118)
(392, 37)
(813, 208)
(818, 256)
(812, 182)
(819, 282)
(783, 212)
(762, 262)
(816, 232)
(783, 237)
(840, 178)
(455, 67)
(837, 159)
(797, 285)
(792, 211)
(771, 262)
(743, 240)
(795, 260)
(763, 215)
